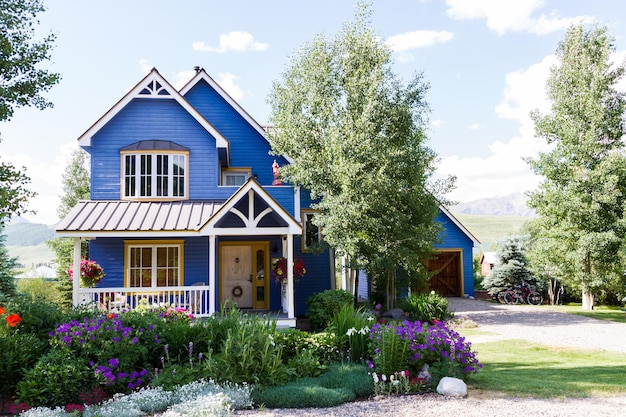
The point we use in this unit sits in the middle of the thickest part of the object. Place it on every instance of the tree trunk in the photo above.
(587, 300)
(356, 288)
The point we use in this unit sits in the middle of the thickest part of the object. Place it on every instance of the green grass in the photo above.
(609, 313)
(521, 369)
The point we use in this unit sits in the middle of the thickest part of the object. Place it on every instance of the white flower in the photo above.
(376, 380)
(384, 378)
(351, 331)
(364, 331)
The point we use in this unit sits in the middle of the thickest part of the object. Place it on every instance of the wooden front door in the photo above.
(242, 274)
(447, 280)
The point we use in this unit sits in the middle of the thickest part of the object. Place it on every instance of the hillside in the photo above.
(491, 229)
(27, 242)
(509, 205)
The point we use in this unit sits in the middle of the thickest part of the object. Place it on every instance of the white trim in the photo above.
(212, 275)
(250, 223)
(459, 225)
(85, 139)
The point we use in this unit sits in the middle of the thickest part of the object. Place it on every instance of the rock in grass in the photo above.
(452, 387)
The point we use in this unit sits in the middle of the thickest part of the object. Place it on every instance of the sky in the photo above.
(486, 62)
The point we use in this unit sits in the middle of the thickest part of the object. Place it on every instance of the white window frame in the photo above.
(232, 173)
(154, 267)
(136, 184)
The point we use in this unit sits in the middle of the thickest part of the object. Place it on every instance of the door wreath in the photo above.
(237, 291)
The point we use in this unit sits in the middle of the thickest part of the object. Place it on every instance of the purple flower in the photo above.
(114, 363)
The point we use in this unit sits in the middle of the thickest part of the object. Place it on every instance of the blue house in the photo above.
(187, 207)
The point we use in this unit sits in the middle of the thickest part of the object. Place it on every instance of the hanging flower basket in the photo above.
(279, 269)
(91, 273)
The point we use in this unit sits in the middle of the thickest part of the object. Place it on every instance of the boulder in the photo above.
(394, 313)
(452, 387)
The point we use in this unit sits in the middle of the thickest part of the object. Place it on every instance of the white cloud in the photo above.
(475, 126)
(437, 123)
(511, 16)
(238, 41)
(418, 39)
(46, 179)
(182, 77)
(503, 170)
(145, 66)
(227, 81)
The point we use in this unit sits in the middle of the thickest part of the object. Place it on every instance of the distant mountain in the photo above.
(509, 205)
(27, 234)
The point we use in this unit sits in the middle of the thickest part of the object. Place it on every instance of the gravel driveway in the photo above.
(501, 322)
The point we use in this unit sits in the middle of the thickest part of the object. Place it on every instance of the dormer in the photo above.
(154, 169)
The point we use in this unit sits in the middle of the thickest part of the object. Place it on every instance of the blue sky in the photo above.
(486, 62)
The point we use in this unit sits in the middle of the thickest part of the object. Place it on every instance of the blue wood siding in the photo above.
(452, 237)
(109, 253)
(248, 149)
(148, 119)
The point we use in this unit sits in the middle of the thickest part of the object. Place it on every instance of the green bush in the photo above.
(351, 329)
(426, 307)
(323, 305)
(17, 353)
(340, 384)
(38, 316)
(248, 354)
(57, 379)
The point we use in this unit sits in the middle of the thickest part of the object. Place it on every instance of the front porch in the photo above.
(195, 300)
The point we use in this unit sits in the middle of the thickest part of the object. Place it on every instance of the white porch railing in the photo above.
(194, 299)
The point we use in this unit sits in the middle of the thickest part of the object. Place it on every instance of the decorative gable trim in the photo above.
(458, 224)
(251, 211)
(153, 86)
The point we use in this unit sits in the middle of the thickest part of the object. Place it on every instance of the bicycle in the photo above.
(521, 293)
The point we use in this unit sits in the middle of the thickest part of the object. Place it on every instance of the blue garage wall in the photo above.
(453, 237)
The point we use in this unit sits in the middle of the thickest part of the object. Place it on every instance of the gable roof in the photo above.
(153, 86)
(201, 75)
(251, 211)
(458, 224)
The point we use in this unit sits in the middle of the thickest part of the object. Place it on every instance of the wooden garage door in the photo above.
(447, 278)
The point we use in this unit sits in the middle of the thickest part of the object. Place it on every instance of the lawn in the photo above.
(522, 369)
(609, 313)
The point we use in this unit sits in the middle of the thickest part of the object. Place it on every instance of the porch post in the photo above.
(212, 277)
(291, 313)
(76, 273)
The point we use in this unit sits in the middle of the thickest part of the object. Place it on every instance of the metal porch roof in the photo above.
(138, 216)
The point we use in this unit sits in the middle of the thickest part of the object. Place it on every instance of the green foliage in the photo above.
(7, 273)
(40, 289)
(39, 317)
(578, 236)
(248, 354)
(511, 268)
(323, 305)
(352, 128)
(57, 379)
(351, 328)
(18, 352)
(340, 384)
(426, 307)
(21, 82)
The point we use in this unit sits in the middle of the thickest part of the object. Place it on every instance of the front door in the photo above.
(243, 279)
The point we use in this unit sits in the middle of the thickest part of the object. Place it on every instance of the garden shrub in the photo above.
(57, 379)
(426, 307)
(341, 383)
(38, 317)
(248, 354)
(408, 346)
(323, 305)
(351, 329)
(17, 353)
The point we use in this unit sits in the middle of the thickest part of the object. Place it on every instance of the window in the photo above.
(312, 233)
(154, 175)
(154, 264)
(235, 177)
